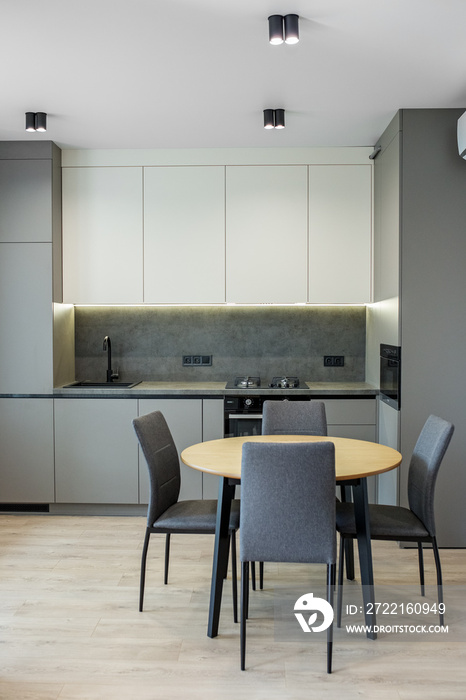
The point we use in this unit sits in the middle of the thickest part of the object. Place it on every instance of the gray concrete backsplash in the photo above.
(148, 343)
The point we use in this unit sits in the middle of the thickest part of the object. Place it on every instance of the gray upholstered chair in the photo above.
(413, 524)
(290, 418)
(287, 513)
(294, 418)
(165, 514)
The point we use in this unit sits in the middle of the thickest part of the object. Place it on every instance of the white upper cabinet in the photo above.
(189, 233)
(266, 234)
(184, 234)
(340, 234)
(102, 235)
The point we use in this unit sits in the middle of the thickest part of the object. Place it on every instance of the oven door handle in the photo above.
(244, 416)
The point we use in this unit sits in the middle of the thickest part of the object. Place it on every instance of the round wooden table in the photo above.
(354, 461)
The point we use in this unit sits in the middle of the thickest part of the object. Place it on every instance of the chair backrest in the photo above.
(288, 502)
(162, 460)
(294, 418)
(425, 462)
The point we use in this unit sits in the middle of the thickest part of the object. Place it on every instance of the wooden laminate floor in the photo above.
(70, 626)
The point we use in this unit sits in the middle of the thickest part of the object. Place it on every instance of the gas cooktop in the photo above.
(248, 383)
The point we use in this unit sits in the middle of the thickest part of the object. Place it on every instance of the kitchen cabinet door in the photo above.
(26, 320)
(355, 419)
(27, 461)
(212, 429)
(184, 234)
(96, 451)
(340, 234)
(388, 434)
(387, 224)
(102, 235)
(26, 201)
(266, 234)
(184, 418)
(351, 418)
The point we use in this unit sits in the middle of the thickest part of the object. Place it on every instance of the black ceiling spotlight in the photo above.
(269, 121)
(279, 118)
(291, 29)
(284, 28)
(276, 29)
(36, 121)
(274, 118)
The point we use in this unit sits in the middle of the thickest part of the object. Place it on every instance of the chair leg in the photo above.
(261, 575)
(253, 575)
(246, 601)
(143, 569)
(439, 579)
(244, 606)
(234, 575)
(341, 564)
(330, 585)
(421, 567)
(167, 557)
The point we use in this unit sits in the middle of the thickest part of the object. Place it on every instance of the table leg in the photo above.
(226, 492)
(348, 543)
(361, 514)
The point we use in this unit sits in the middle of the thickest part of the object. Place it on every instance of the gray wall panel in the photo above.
(433, 292)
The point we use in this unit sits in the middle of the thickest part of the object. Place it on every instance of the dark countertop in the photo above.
(216, 389)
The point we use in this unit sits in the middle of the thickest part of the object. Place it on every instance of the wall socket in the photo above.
(334, 360)
(197, 360)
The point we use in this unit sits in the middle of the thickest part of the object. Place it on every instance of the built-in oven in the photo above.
(243, 410)
(242, 415)
(390, 375)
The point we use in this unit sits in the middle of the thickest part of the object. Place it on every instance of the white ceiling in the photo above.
(198, 73)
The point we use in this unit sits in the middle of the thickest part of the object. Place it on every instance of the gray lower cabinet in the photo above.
(388, 434)
(351, 418)
(97, 459)
(26, 460)
(212, 429)
(356, 419)
(96, 451)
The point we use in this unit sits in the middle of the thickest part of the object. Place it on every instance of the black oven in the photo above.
(390, 374)
(243, 414)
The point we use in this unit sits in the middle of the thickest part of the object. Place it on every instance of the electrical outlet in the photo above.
(334, 360)
(197, 360)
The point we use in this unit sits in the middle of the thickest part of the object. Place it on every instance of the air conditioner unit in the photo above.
(462, 136)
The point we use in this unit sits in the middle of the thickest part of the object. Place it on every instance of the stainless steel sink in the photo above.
(101, 385)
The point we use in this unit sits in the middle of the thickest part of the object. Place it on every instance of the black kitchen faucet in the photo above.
(108, 348)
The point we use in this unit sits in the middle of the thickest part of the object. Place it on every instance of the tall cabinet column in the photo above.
(30, 282)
